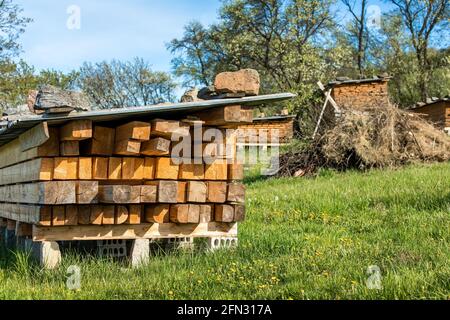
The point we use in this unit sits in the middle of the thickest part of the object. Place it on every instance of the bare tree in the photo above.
(359, 31)
(421, 19)
(119, 84)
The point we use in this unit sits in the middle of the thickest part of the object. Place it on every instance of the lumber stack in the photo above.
(84, 173)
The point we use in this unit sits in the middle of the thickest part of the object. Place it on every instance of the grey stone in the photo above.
(47, 253)
(140, 252)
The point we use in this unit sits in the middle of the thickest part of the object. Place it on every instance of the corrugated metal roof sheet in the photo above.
(358, 81)
(429, 102)
(15, 128)
(274, 118)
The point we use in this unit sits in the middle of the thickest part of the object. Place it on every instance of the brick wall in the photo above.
(438, 113)
(359, 95)
(252, 132)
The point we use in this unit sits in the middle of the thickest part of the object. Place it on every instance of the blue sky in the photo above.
(110, 29)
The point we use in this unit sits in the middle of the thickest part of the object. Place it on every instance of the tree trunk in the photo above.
(361, 51)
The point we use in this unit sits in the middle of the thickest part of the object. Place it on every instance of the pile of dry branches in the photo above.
(381, 136)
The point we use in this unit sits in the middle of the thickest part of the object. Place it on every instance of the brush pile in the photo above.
(373, 137)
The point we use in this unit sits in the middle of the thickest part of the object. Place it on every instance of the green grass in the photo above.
(303, 239)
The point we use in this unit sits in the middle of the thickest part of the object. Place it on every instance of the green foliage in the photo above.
(303, 239)
(290, 43)
(424, 22)
(295, 43)
(118, 84)
(17, 79)
(12, 25)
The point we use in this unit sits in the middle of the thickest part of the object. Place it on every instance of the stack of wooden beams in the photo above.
(85, 173)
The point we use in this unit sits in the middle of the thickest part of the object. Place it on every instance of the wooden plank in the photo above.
(216, 171)
(96, 215)
(100, 168)
(120, 194)
(159, 213)
(179, 213)
(84, 168)
(39, 215)
(34, 137)
(196, 191)
(156, 147)
(108, 217)
(213, 150)
(69, 148)
(58, 216)
(149, 194)
(45, 217)
(182, 192)
(133, 168)
(84, 215)
(221, 115)
(167, 191)
(149, 169)
(134, 214)
(168, 129)
(192, 172)
(115, 169)
(194, 214)
(185, 213)
(217, 192)
(71, 217)
(34, 170)
(165, 169)
(129, 232)
(127, 148)
(65, 169)
(101, 144)
(11, 153)
(247, 114)
(136, 130)
(206, 213)
(239, 213)
(224, 213)
(121, 215)
(235, 171)
(87, 192)
(236, 193)
(45, 193)
(76, 130)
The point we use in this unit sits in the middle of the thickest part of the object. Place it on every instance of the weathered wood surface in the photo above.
(11, 153)
(50, 193)
(141, 231)
(34, 137)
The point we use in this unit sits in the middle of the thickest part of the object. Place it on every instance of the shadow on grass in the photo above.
(250, 179)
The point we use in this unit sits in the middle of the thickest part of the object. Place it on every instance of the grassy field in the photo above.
(303, 239)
